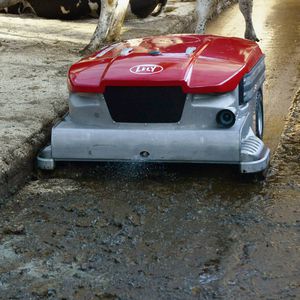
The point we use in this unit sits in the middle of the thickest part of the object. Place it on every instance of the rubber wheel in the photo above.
(258, 123)
(259, 129)
(259, 116)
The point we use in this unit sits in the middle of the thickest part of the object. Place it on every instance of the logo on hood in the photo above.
(146, 69)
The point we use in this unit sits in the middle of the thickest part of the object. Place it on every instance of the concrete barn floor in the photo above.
(119, 231)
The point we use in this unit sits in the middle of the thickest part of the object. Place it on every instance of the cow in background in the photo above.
(76, 9)
(113, 13)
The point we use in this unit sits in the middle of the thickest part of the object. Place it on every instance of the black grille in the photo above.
(145, 104)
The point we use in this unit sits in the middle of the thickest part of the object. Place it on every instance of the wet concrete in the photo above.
(119, 231)
(263, 263)
(277, 24)
(156, 232)
(137, 234)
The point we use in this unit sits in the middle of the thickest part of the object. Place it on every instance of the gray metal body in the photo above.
(88, 132)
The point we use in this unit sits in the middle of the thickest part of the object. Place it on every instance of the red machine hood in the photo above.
(197, 63)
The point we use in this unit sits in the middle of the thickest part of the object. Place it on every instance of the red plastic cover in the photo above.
(197, 63)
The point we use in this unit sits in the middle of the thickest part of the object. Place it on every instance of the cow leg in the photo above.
(104, 21)
(117, 20)
(202, 10)
(27, 8)
(8, 3)
(109, 23)
(246, 7)
(158, 10)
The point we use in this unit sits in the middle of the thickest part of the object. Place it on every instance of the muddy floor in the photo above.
(161, 232)
(122, 231)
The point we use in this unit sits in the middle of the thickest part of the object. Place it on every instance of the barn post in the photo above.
(109, 23)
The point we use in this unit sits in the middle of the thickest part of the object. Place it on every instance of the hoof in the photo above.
(85, 51)
(251, 37)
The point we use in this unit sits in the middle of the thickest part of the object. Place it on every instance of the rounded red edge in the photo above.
(227, 86)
